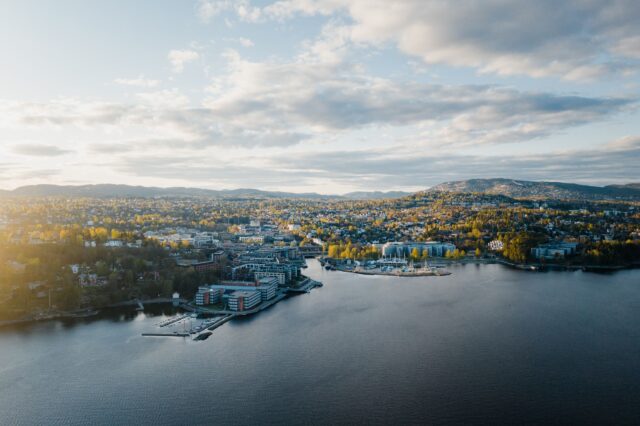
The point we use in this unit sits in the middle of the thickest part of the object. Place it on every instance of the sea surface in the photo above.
(486, 344)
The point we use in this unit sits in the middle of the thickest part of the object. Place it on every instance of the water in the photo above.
(485, 345)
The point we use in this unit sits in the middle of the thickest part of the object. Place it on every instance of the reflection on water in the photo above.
(484, 344)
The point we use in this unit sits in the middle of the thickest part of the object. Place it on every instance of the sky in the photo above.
(328, 96)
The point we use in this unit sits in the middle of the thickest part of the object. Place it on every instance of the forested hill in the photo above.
(543, 190)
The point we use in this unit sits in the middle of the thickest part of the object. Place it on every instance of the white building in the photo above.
(404, 249)
(496, 245)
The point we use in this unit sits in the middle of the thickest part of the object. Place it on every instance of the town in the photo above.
(65, 256)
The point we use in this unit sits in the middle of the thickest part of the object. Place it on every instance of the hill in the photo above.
(374, 195)
(128, 191)
(532, 189)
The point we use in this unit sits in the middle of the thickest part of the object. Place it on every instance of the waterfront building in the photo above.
(280, 277)
(259, 270)
(404, 249)
(554, 250)
(242, 300)
(268, 286)
(208, 295)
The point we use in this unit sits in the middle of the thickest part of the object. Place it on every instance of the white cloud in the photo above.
(208, 9)
(38, 150)
(179, 58)
(139, 81)
(574, 39)
(168, 98)
(328, 97)
(245, 42)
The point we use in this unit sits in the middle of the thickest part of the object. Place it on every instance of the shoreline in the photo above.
(532, 267)
(399, 274)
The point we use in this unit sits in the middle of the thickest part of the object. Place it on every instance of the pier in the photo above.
(305, 287)
(175, 334)
(221, 321)
(172, 320)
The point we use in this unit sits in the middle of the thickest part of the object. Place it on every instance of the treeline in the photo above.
(613, 253)
(116, 274)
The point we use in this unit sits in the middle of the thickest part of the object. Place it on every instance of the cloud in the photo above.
(322, 97)
(245, 42)
(277, 103)
(573, 39)
(179, 58)
(36, 150)
(388, 168)
(168, 98)
(208, 9)
(139, 81)
(627, 143)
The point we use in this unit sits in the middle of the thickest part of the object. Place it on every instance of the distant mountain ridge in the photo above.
(124, 191)
(498, 186)
(532, 189)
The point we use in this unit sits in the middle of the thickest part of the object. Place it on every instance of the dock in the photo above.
(305, 287)
(176, 334)
(221, 321)
(173, 320)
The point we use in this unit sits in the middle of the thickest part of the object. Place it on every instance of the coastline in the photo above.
(531, 267)
(399, 274)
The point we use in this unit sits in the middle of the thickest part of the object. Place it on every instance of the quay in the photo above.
(175, 334)
(305, 287)
(432, 272)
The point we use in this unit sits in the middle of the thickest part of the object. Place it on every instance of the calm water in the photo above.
(484, 345)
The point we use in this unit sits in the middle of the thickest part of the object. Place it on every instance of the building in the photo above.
(285, 272)
(268, 287)
(280, 277)
(242, 300)
(114, 243)
(554, 250)
(239, 295)
(208, 295)
(404, 249)
(251, 239)
(496, 245)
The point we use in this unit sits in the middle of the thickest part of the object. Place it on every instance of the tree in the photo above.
(415, 254)
(425, 254)
(333, 251)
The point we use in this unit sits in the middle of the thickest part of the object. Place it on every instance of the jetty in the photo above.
(173, 320)
(219, 322)
(174, 334)
(305, 287)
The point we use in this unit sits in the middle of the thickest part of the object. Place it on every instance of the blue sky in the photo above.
(318, 95)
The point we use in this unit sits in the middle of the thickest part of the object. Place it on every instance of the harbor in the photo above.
(183, 324)
(396, 267)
